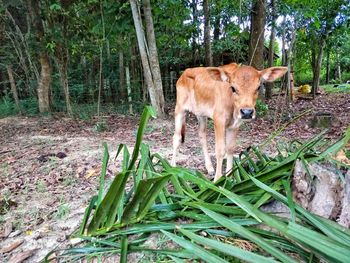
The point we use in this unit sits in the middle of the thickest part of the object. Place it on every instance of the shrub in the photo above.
(261, 108)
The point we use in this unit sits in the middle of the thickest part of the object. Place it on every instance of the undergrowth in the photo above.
(211, 222)
(29, 107)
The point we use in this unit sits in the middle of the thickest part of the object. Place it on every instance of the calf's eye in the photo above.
(233, 89)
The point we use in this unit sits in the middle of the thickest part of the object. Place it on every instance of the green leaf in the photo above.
(236, 228)
(195, 249)
(291, 204)
(320, 243)
(226, 249)
(152, 195)
(87, 214)
(106, 212)
(103, 173)
(124, 250)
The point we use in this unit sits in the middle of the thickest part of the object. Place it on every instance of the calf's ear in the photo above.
(273, 73)
(230, 68)
(217, 74)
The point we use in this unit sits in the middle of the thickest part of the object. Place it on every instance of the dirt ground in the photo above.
(49, 166)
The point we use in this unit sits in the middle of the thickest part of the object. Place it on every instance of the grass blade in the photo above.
(103, 173)
(236, 228)
(236, 252)
(151, 196)
(124, 250)
(195, 249)
(87, 214)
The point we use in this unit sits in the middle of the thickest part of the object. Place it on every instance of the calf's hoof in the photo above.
(211, 171)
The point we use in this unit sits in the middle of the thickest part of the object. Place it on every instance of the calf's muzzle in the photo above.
(247, 113)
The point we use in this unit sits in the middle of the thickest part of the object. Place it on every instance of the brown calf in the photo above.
(226, 94)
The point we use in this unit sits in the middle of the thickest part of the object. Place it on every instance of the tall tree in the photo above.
(155, 93)
(195, 25)
(256, 41)
(269, 85)
(59, 24)
(13, 87)
(207, 42)
(153, 55)
(45, 74)
(316, 61)
(329, 15)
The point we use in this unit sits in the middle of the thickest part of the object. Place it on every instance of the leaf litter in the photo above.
(51, 196)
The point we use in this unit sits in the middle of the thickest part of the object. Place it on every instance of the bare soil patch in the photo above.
(49, 166)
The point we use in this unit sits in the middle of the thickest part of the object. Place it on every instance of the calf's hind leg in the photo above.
(178, 133)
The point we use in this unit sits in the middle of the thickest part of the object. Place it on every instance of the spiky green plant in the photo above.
(208, 220)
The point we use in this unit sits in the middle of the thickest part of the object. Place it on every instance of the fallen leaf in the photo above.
(52, 258)
(341, 157)
(29, 232)
(75, 240)
(90, 173)
(15, 233)
(20, 257)
(11, 159)
(7, 230)
(11, 247)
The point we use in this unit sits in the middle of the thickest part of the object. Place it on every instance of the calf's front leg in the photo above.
(219, 126)
(203, 139)
(231, 136)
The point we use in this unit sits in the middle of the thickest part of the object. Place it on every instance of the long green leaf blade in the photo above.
(249, 235)
(227, 249)
(195, 249)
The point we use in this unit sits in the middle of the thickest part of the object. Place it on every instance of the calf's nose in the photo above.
(247, 113)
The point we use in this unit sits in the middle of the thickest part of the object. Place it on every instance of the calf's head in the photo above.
(245, 83)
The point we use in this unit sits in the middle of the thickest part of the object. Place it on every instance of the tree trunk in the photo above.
(44, 83)
(154, 97)
(194, 34)
(216, 37)
(284, 57)
(166, 86)
(290, 74)
(45, 74)
(111, 85)
(127, 74)
(13, 88)
(328, 67)
(26, 50)
(100, 82)
(207, 44)
(338, 68)
(62, 65)
(153, 55)
(172, 83)
(122, 89)
(86, 71)
(256, 42)
(269, 85)
(317, 67)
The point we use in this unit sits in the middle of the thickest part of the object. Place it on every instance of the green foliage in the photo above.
(208, 220)
(101, 126)
(76, 31)
(261, 108)
(29, 106)
(62, 211)
(339, 89)
(7, 107)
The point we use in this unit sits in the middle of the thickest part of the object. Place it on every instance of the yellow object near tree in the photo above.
(304, 89)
